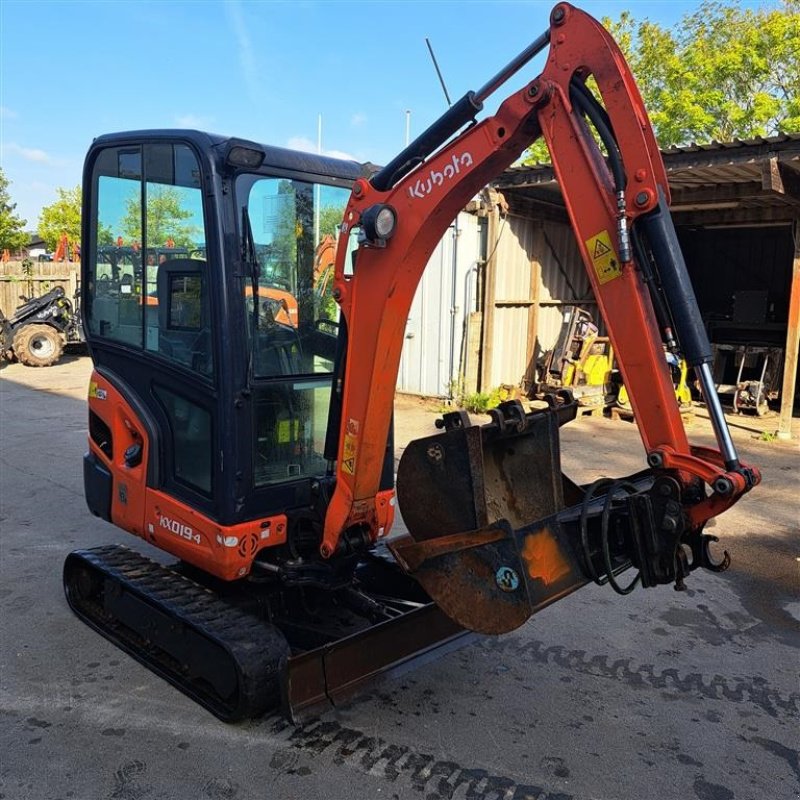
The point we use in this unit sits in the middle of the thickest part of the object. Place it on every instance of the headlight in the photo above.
(248, 157)
(379, 223)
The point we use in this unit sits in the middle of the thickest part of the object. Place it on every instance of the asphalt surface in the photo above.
(663, 695)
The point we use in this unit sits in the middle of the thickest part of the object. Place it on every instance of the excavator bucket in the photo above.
(480, 504)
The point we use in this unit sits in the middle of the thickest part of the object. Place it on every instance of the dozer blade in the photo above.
(226, 656)
(329, 675)
(480, 504)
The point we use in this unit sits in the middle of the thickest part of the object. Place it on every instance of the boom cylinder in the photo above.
(691, 333)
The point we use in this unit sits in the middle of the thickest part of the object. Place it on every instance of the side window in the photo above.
(181, 328)
(115, 280)
(151, 273)
(190, 428)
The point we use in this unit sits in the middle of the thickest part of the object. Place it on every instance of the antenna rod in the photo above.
(438, 71)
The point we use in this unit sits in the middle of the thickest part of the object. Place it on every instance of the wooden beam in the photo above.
(790, 162)
(771, 177)
(792, 348)
(489, 290)
(790, 180)
(719, 193)
(753, 215)
(537, 250)
(781, 177)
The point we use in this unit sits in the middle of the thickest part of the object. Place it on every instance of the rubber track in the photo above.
(256, 649)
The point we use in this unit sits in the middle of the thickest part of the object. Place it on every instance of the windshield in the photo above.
(291, 248)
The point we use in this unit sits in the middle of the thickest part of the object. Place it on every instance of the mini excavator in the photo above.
(259, 452)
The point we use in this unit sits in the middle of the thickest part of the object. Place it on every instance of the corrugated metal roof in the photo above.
(757, 179)
(758, 141)
(710, 163)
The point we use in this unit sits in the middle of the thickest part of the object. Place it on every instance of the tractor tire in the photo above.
(38, 345)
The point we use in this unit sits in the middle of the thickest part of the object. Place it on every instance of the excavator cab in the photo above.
(221, 339)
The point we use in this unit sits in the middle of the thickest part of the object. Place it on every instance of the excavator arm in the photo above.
(586, 106)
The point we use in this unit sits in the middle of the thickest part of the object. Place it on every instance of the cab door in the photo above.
(150, 264)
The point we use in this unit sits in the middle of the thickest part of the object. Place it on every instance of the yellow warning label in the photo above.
(288, 430)
(604, 259)
(349, 454)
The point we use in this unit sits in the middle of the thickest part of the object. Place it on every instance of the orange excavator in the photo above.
(260, 453)
(66, 250)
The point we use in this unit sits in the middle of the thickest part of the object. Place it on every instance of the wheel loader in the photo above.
(259, 454)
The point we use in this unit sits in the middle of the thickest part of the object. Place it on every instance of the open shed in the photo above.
(736, 206)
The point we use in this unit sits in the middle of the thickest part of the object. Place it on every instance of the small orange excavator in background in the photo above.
(66, 250)
(260, 453)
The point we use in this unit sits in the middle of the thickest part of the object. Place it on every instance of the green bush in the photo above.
(481, 402)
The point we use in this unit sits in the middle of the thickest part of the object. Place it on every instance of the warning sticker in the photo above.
(604, 259)
(349, 454)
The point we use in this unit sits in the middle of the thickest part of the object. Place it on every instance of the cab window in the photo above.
(149, 274)
(293, 322)
(289, 232)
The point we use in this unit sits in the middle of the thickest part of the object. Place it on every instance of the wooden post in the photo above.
(792, 345)
(537, 247)
(490, 287)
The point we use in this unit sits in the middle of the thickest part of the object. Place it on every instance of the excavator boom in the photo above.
(617, 202)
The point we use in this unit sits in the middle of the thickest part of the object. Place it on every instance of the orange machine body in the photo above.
(226, 551)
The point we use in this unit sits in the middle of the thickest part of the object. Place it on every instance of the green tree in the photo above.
(722, 73)
(166, 218)
(63, 216)
(12, 228)
(330, 217)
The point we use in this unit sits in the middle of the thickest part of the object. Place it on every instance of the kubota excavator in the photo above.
(260, 453)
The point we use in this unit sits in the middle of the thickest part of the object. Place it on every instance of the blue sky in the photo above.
(258, 69)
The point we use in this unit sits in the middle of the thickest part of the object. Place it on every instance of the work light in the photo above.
(378, 223)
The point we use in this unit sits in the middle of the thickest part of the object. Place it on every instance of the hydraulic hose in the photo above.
(586, 102)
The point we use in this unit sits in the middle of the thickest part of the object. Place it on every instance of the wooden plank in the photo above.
(792, 348)
(537, 247)
(490, 289)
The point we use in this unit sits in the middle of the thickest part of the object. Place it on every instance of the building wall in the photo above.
(437, 329)
(538, 272)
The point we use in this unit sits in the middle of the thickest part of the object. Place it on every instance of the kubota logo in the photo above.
(179, 529)
(435, 178)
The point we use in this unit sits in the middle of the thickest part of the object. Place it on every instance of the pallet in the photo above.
(590, 411)
(627, 415)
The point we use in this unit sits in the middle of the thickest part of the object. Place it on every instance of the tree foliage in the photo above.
(12, 228)
(166, 219)
(62, 217)
(724, 72)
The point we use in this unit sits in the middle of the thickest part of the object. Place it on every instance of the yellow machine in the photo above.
(679, 370)
(581, 361)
